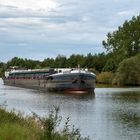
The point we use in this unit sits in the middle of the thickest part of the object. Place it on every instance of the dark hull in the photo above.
(70, 83)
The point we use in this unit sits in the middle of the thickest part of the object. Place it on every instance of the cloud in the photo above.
(30, 4)
(126, 13)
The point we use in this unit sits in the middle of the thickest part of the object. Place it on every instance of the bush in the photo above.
(128, 72)
(50, 125)
(105, 78)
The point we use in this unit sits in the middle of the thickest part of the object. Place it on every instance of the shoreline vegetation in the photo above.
(126, 74)
(13, 126)
(118, 65)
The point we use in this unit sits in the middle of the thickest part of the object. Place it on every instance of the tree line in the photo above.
(90, 61)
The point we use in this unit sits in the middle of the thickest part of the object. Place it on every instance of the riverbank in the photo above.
(14, 126)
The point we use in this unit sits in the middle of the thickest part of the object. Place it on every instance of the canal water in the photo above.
(109, 114)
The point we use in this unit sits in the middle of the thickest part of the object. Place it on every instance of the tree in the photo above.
(124, 42)
(48, 62)
(60, 61)
(109, 66)
(75, 60)
(2, 68)
(128, 72)
(16, 62)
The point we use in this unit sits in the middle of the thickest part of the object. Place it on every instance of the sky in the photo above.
(38, 29)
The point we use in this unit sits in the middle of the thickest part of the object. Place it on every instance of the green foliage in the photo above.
(23, 63)
(2, 68)
(74, 60)
(50, 125)
(124, 42)
(110, 65)
(71, 134)
(49, 62)
(128, 72)
(105, 78)
(9, 131)
(60, 61)
(13, 126)
(96, 61)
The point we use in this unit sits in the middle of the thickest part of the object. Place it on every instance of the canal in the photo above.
(109, 114)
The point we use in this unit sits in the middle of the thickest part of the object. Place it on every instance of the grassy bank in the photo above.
(13, 126)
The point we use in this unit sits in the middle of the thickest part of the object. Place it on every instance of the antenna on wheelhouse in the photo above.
(79, 66)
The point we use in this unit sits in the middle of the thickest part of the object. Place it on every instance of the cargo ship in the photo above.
(62, 80)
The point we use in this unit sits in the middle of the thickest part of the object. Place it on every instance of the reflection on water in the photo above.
(109, 114)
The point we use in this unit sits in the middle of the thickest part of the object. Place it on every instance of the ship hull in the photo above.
(68, 83)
